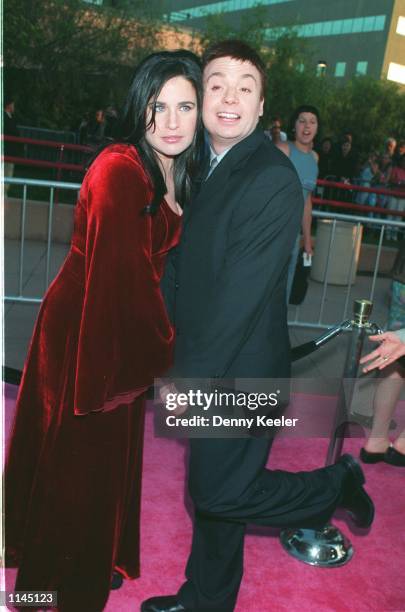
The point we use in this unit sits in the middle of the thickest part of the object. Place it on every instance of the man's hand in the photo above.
(167, 390)
(390, 349)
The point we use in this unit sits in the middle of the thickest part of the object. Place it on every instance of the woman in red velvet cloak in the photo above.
(73, 473)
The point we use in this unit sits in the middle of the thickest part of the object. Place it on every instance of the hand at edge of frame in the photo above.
(390, 349)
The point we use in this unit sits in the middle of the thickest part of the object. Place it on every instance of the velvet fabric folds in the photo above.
(73, 471)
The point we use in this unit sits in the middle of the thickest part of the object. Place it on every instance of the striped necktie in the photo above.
(213, 165)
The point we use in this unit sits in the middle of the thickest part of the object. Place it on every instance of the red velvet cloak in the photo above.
(72, 482)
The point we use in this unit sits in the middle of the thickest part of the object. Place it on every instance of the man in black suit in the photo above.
(230, 317)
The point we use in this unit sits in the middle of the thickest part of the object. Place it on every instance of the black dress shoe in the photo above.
(368, 457)
(354, 498)
(116, 581)
(169, 603)
(394, 457)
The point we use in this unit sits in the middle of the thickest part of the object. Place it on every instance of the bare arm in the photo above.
(306, 225)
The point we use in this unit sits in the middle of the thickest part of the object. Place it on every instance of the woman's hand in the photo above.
(308, 247)
(390, 349)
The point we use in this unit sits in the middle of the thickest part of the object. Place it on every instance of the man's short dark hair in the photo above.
(239, 50)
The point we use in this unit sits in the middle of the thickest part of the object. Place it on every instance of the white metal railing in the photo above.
(52, 186)
(344, 293)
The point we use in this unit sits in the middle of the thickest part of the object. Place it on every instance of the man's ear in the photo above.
(261, 107)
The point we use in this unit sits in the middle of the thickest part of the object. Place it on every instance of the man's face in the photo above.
(346, 146)
(233, 101)
(275, 128)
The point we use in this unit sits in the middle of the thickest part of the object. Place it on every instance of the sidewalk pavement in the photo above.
(325, 363)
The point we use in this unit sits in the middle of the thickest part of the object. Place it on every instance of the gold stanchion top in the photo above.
(362, 311)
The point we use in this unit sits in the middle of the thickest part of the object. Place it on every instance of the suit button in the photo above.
(176, 285)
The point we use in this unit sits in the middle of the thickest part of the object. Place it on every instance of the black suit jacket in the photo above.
(229, 296)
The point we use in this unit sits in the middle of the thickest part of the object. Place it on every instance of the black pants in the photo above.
(231, 488)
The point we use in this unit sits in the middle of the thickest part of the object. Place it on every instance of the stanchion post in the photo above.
(329, 547)
(362, 310)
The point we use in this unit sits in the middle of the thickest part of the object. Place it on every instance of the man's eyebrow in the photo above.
(221, 74)
(244, 76)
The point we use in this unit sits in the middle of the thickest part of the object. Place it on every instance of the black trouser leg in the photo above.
(215, 566)
(230, 488)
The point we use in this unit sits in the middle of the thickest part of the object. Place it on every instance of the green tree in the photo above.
(63, 58)
(288, 59)
(370, 108)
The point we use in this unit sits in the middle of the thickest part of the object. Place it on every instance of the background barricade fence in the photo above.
(377, 198)
(328, 301)
(51, 186)
(66, 159)
(325, 303)
(38, 133)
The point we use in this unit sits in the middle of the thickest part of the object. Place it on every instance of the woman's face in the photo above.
(306, 128)
(175, 118)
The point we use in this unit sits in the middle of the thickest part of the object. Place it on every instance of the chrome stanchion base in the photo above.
(327, 547)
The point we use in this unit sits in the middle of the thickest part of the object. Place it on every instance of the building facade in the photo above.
(349, 36)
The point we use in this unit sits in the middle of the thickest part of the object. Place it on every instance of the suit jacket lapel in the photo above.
(232, 161)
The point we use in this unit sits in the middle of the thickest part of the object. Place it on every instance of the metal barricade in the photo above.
(322, 294)
(51, 154)
(319, 294)
(52, 186)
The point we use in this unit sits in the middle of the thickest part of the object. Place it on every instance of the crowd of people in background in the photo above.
(339, 160)
(94, 129)
(342, 161)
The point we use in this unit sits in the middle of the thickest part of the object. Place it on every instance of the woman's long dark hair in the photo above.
(150, 76)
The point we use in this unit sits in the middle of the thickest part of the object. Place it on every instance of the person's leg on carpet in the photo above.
(228, 483)
(385, 400)
(215, 565)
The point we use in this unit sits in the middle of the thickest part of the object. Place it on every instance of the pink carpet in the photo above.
(273, 581)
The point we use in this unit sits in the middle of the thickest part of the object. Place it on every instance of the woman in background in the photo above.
(378, 446)
(304, 125)
(392, 346)
(73, 474)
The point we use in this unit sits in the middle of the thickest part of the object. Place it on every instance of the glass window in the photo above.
(316, 29)
(396, 72)
(369, 23)
(358, 24)
(361, 67)
(401, 26)
(379, 23)
(347, 26)
(340, 69)
(372, 23)
(337, 26)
